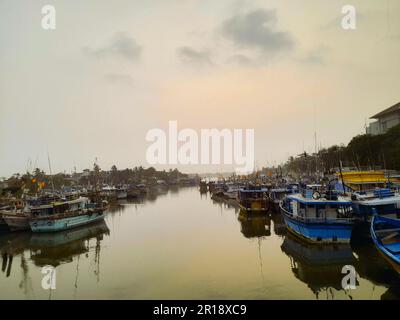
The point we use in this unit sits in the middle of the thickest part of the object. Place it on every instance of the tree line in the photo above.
(364, 152)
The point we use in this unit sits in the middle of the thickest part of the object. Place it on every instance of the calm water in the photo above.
(183, 245)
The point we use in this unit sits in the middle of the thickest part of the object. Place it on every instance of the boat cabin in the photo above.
(310, 208)
(380, 201)
(60, 207)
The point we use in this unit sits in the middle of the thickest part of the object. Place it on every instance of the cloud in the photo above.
(117, 78)
(193, 56)
(121, 45)
(316, 56)
(256, 29)
(241, 60)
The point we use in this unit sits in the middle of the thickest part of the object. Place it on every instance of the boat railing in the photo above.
(316, 219)
(69, 214)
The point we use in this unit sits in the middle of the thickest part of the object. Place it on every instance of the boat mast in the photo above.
(51, 174)
(341, 176)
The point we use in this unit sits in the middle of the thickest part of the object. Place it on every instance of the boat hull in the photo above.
(321, 233)
(17, 222)
(391, 252)
(122, 194)
(65, 223)
(254, 205)
(3, 224)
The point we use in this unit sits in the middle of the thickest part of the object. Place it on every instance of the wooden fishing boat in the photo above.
(253, 199)
(385, 233)
(17, 221)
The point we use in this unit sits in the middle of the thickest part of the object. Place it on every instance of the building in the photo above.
(385, 120)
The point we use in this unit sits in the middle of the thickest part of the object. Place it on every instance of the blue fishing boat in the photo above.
(64, 215)
(318, 218)
(384, 202)
(385, 233)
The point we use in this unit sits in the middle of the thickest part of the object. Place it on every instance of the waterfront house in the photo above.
(385, 120)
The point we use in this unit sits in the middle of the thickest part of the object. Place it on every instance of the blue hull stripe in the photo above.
(52, 225)
(327, 233)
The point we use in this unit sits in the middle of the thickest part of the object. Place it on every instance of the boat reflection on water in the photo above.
(62, 247)
(254, 225)
(51, 248)
(279, 224)
(11, 245)
(320, 267)
(371, 266)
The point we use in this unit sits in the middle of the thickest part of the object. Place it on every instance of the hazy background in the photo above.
(112, 70)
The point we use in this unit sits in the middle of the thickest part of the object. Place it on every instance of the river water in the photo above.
(181, 244)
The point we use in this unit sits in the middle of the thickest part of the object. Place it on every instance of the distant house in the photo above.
(385, 120)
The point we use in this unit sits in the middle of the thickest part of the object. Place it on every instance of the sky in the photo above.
(111, 71)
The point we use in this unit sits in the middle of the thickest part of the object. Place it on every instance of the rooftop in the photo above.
(391, 109)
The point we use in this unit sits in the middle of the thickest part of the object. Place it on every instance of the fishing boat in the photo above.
(14, 209)
(3, 223)
(63, 215)
(230, 191)
(17, 221)
(18, 218)
(384, 202)
(364, 180)
(385, 233)
(121, 192)
(253, 199)
(133, 192)
(218, 194)
(203, 186)
(317, 217)
(276, 195)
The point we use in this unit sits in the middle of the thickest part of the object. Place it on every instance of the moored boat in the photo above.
(385, 233)
(318, 218)
(17, 221)
(231, 191)
(253, 199)
(12, 206)
(121, 192)
(3, 223)
(276, 195)
(379, 201)
(65, 215)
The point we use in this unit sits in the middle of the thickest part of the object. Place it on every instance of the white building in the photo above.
(385, 120)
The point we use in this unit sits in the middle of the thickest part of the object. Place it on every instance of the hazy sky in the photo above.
(112, 70)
